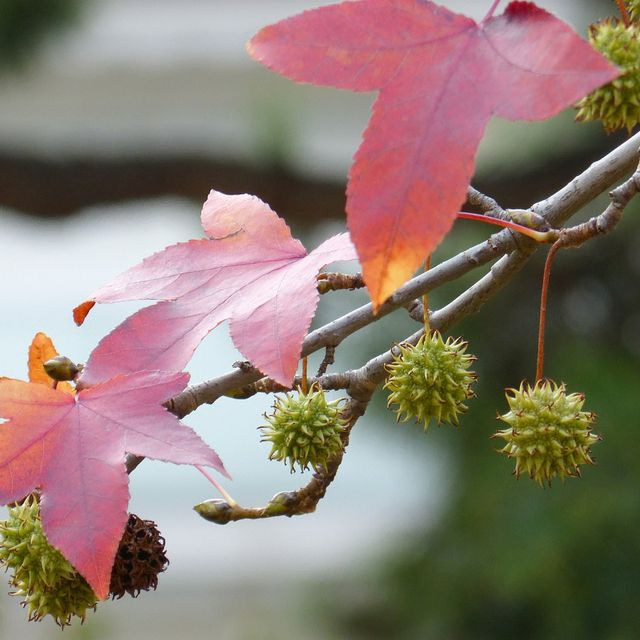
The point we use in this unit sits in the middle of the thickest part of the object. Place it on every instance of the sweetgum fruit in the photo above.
(305, 429)
(40, 574)
(430, 380)
(616, 104)
(139, 560)
(548, 434)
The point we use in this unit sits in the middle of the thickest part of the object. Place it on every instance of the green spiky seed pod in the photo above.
(617, 104)
(430, 380)
(549, 435)
(41, 575)
(305, 429)
(139, 559)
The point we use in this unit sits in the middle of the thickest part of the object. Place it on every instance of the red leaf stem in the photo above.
(555, 247)
(492, 8)
(538, 236)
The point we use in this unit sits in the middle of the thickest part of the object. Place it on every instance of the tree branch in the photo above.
(291, 503)
(556, 209)
(514, 251)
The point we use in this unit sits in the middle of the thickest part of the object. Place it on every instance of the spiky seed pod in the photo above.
(549, 435)
(139, 559)
(305, 429)
(430, 380)
(41, 575)
(617, 104)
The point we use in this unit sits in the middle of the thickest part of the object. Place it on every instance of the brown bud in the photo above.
(61, 368)
(282, 504)
(218, 511)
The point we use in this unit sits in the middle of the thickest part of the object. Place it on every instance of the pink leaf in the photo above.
(72, 447)
(441, 77)
(249, 271)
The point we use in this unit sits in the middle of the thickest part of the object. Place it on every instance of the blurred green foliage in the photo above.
(508, 559)
(25, 24)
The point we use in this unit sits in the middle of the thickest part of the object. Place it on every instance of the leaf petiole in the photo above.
(216, 484)
(492, 8)
(544, 294)
(624, 14)
(538, 236)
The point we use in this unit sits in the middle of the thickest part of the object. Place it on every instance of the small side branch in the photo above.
(328, 360)
(556, 209)
(608, 219)
(486, 204)
(338, 281)
(290, 503)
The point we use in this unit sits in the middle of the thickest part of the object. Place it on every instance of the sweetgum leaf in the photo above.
(440, 76)
(72, 447)
(249, 270)
(42, 349)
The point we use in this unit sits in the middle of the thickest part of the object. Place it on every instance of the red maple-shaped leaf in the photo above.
(249, 271)
(72, 447)
(440, 77)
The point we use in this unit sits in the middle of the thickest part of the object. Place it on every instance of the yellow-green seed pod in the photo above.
(41, 575)
(549, 435)
(430, 380)
(305, 429)
(616, 104)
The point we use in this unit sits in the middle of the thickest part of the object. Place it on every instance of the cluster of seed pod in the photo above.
(548, 435)
(49, 585)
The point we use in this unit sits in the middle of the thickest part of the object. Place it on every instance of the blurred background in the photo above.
(116, 118)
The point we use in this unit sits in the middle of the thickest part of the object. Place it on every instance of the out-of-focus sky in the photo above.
(165, 76)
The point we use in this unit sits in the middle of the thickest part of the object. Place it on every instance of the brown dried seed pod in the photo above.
(139, 559)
